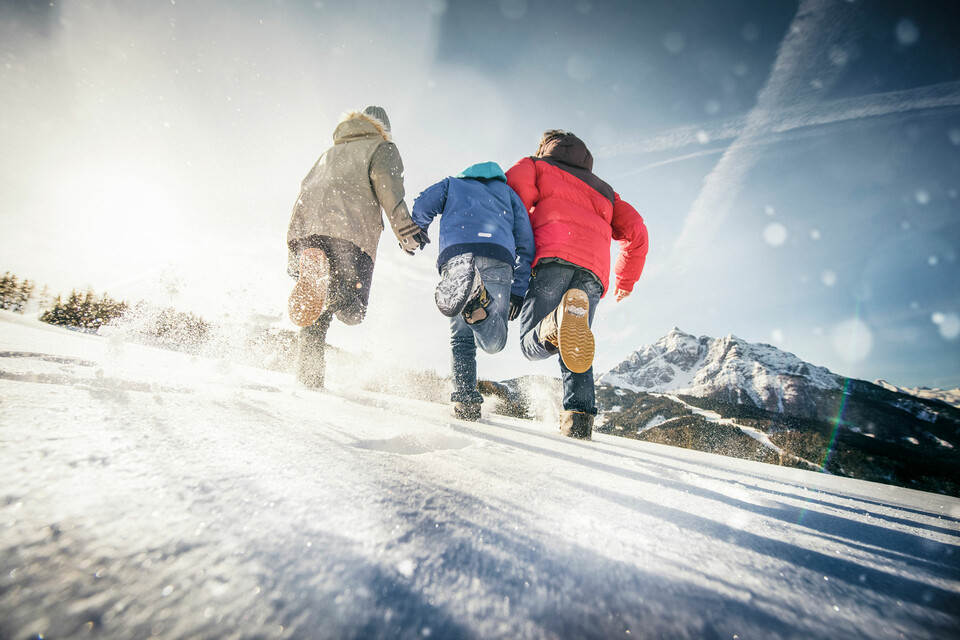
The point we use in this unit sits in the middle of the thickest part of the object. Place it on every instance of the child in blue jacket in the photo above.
(486, 247)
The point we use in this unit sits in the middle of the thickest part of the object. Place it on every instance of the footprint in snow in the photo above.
(415, 444)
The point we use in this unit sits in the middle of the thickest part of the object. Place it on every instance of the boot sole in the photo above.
(573, 334)
(310, 293)
(456, 285)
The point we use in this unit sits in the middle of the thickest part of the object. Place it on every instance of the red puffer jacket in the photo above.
(575, 214)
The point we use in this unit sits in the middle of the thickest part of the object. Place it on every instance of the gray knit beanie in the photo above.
(379, 114)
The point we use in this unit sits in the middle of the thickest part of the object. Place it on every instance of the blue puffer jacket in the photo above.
(480, 214)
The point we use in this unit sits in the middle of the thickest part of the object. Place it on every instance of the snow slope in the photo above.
(153, 493)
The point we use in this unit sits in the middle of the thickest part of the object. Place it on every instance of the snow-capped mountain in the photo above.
(947, 396)
(728, 369)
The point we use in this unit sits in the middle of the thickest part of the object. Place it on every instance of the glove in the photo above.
(410, 243)
(516, 302)
(422, 237)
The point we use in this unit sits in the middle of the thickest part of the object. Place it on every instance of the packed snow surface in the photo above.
(150, 493)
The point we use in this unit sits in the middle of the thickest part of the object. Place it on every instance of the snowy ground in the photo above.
(152, 493)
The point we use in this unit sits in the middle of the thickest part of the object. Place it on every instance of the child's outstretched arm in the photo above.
(430, 204)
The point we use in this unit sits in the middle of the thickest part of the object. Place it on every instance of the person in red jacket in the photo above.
(575, 216)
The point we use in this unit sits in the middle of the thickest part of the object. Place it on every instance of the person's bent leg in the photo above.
(579, 392)
(497, 277)
(548, 283)
(351, 276)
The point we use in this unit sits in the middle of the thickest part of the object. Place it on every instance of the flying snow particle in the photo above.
(703, 137)
(907, 32)
(579, 67)
(406, 567)
(775, 234)
(949, 324)
(777, 336)
(829, 278)
(933, 261)
(167, 590)
(674, 42)
(815, 234)
(954, 136)
(922, 196)
(770, 211)
(852, 340)
(513, 9)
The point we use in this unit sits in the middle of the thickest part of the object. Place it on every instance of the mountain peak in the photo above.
(728, 368)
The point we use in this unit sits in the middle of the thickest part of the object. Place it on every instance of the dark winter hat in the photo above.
(379, 114)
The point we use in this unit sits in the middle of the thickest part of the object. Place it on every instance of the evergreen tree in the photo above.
(9, 291)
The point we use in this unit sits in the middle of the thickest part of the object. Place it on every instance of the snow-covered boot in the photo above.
(574, 338)
(467, 410)
(309, 296)
(459, 282)
(576, 424)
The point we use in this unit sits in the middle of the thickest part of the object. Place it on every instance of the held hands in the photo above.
(516, 302)
(412, 242)
(621, 294)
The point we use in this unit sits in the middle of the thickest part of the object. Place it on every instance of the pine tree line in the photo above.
(84, 311)
(14, 294)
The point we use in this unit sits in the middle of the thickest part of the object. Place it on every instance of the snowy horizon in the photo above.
(155, 493)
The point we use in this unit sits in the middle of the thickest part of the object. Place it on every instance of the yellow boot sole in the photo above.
(310, 293)
(574, 336)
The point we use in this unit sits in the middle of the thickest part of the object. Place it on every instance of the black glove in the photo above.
(417, 240)
(421, 237)
(516, 302)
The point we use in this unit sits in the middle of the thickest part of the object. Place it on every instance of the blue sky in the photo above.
(797, 164)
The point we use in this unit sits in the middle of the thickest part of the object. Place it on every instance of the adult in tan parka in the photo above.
(335, 229)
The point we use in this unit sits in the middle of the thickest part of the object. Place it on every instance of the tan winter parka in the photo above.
(346, 189)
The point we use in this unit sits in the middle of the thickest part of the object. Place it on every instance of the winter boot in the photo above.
(547, 332)
(459, 282)
(576, 424)
(574, 338)
(467, 410)
(309, 296)
(475, 311)
(567, 329)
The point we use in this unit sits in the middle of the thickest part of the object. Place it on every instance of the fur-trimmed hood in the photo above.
(356, 124)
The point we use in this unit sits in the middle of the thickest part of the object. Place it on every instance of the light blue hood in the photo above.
(483, 171)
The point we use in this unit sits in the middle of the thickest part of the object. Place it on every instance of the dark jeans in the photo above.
(351, 272)
(490, 335)
(548, 282)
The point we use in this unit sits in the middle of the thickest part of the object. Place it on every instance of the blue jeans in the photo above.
(548, 283)
(490, 334)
